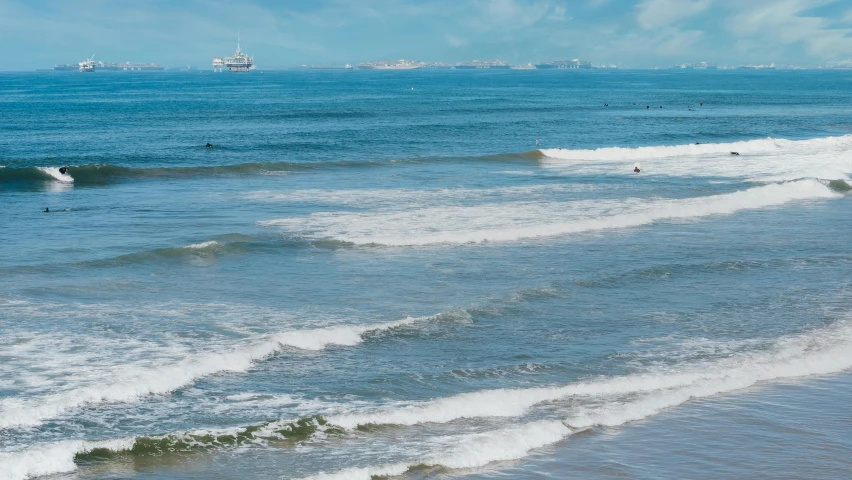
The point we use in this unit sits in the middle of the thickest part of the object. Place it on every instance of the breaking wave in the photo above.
(139, 382)
(100, 174)
(607, 402)
(763, 161)
(602, 402)
(525, 220)
(762, 146)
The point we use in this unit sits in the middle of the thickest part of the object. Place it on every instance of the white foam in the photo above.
(523, 220)
(766, 160)
(605, 402)
(210, 243)
(131, 383)
(765, 145)
(52, 458)
(400, 198)
(818, 352)
(469, 451)
(54, 172)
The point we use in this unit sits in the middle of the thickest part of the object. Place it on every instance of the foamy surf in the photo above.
(516, 221)
(613, 402)
(761, 146)
(198, 246)
(764, 161)
(135, 382)
(52, 458)
(467, 451)
(54, 173)
(819, 352)
(606, 402)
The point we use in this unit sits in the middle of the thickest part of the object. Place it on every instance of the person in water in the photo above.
(735, 153)
(636, 169)
(208, 145)
(63, 170)
(46, 210)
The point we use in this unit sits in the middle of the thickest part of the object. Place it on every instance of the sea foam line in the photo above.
(516, 221)
(820, 352)
(760, 146)
(609, 402)
(141, 382)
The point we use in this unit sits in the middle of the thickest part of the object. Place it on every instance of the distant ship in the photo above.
(437, 66)
(240, 62)
(480, 64)
(69, 67)
(771, 66)
(398, 65)
(575, 63)
(87, 65)
(331, 67)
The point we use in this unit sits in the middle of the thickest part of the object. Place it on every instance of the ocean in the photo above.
(426, 274)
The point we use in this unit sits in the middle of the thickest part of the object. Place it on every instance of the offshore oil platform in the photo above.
(240, 62)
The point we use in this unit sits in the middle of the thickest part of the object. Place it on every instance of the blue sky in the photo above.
(637, 33)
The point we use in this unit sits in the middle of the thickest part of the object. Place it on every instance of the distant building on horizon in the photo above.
(565, 64)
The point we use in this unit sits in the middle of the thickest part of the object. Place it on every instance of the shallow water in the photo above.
(364, 279)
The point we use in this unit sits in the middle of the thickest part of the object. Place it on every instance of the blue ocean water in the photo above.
(425, 274)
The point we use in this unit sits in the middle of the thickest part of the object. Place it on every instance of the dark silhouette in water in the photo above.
(47, 210)
(735, 153)
(63, 170)
(208, 145)
(636, 170)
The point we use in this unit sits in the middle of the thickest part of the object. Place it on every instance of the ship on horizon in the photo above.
(331, 67)
(482, 64)
(569, 64)
(240, 62)
(401, 64)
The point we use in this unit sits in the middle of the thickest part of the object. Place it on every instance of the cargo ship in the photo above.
(482, 64)
(331, 67)
(565, 64)
(398, 65)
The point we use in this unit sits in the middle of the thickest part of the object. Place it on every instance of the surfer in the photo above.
(636, 168)
(735, 153)
(208, 145)
(63, 170)
(46, 210)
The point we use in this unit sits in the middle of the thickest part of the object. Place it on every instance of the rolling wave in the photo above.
(137, 382)
(761, 146)
(763, 161)
(526, 220)
(101, 174)
(603, 402)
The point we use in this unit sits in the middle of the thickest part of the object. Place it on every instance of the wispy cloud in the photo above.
(658, 13)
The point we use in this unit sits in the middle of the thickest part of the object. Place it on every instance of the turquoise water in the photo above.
(381, 273)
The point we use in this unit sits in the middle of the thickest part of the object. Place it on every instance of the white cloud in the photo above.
(784, 23)
(659, 13)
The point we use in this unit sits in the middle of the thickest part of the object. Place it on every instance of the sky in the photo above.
(280, 33)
